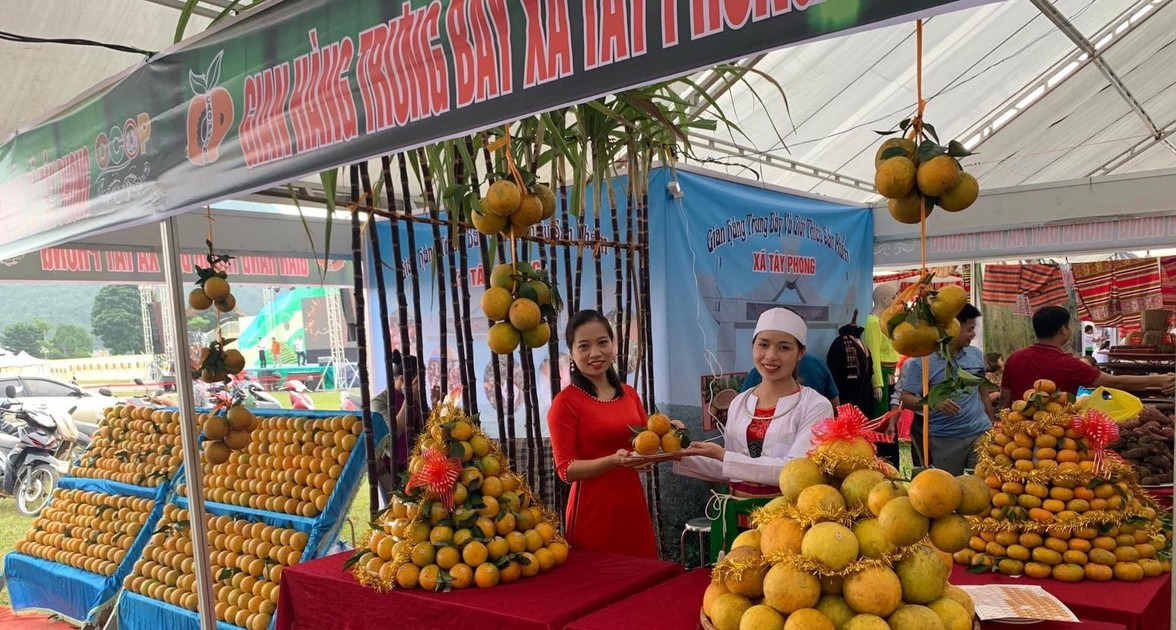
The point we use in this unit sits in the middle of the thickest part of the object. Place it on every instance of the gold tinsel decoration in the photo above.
(1115, 468)
(728, 568)
(812, 566)
(829, 464)
(808, 518)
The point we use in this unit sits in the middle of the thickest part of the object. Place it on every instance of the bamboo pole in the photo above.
(618, 284)
(570, 300)
(380, 314)
(469, 376)
(484, 247)
(413, 420)
(600, 174)
(361, 345)
(439, 269)
(414, 272)
(452, 245)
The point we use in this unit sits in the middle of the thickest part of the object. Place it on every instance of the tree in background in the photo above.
(117, 320)
(71, 341)
(200, 324)
(30, 337)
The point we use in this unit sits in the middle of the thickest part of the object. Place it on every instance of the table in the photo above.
(672, 605)
(1052, 625)
(319, 595)
(1144, 605)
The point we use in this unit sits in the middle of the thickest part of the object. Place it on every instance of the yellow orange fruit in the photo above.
(938, 175)
(962, 195)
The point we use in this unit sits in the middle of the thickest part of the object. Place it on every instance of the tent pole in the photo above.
(177, 303)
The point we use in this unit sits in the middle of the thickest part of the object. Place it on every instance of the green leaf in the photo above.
(893, 322)
(929, 150)
(185, 16)
(957, 150)
(978, 568)
(330, 181)
(887, 133)
(685, 438)
(225, 12)
(355, 558)
(893, 152)
(931, 131)
(904, 124)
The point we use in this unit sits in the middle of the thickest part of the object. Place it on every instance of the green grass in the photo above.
(12, 528)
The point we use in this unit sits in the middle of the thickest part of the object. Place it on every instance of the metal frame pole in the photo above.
(177, 305)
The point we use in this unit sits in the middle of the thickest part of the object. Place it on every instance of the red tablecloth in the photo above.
(1143, 605)
(318, 595)
(673, 605)
(1055, 625)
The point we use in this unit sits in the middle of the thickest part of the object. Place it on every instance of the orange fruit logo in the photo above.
(210, 114)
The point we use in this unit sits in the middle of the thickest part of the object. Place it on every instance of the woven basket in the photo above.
(1154, 319)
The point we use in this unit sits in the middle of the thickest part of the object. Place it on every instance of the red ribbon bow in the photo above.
(438, 476)
(849, 424)
(1100, 432)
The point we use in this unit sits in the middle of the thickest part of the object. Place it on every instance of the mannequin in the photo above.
(883, 355)
(852, 366)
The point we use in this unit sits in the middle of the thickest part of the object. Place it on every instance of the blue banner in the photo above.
(750, 248)
(727, 250)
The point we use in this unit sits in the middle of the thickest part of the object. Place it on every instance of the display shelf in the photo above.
(52, 585)
(134, 445)
(138, 611)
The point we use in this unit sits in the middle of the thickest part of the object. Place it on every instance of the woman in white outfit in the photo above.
(768, 425)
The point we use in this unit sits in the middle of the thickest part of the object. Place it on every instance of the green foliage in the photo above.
(200, 323)
(30, 337)
(117, 320)
(71, 341)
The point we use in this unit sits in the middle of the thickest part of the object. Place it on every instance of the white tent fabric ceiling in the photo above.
(978, 63)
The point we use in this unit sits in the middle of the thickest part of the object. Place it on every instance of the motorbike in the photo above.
(349, 401)
(299, 399)
(254, 395)
(35, 453)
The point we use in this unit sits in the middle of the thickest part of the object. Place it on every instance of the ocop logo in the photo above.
(122, 144)
(210, 114)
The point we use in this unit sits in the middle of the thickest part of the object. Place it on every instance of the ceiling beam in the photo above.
(1135, 150)
(1076, 36)
(728, 80)
(1069, 66)
(733, 149)
(179, 5)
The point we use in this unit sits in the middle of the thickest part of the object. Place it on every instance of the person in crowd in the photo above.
(261, 357)
(276, 351)
(1091, 361)
(1047, 360)
(299, 350)
(994, 370)
(1089, 338)
(812, 372)
(956, 423)
(390, 402)
(590, 424)
(1103, 354)
(768, 425)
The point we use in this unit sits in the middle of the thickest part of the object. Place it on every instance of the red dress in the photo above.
(607, 513)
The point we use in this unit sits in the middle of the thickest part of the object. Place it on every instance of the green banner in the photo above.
(298, 86)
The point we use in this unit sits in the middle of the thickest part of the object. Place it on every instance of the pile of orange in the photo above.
(247, 560)
(1052, 513)
(86, 530)
(290, 465)
(496, 533)
(135, 445)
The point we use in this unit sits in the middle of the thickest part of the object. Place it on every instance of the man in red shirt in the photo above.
(1046, 359)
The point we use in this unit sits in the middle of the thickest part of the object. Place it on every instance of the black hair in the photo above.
(991, 361)
(967, 314)
(579, 380)
(400, 362)
(1049, 321)
(1088, 328)
(1105, 344)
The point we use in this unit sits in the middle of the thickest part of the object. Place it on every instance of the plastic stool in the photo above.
(700, 526)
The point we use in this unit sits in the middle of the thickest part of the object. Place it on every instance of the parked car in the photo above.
(50, 393)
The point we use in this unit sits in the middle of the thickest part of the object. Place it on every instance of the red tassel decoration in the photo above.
(1100, 432)
(437, 476)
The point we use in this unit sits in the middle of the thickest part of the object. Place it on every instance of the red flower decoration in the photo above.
(1100, 432)
(438, 476)
(849, 424)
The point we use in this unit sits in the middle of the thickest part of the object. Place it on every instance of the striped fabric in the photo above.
(959, 274)
(1168, 281)
(1032, 286)
(1113, 292)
